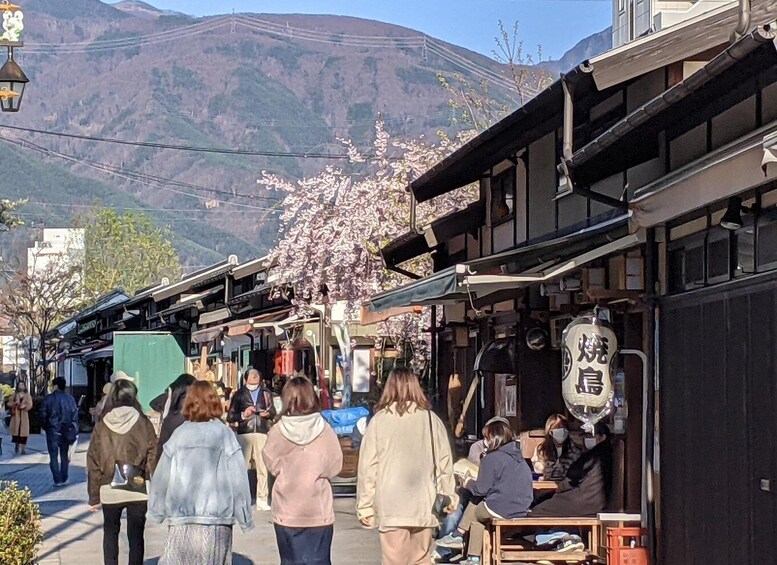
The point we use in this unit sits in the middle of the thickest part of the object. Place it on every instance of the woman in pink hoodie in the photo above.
(303, 454)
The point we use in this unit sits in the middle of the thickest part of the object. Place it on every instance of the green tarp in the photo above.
(154, 360)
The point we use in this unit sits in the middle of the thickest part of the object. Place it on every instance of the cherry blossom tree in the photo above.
(333, 225)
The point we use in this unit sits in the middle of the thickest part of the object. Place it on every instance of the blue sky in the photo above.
(557, 25)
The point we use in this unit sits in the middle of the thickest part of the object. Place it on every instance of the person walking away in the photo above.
(119, 463)
(20, 404)
(59, 416)
(557, 452)
(303, 454)
(405, 451)
(503, 489)
(169, 405)
(200, 485)
(253, 411)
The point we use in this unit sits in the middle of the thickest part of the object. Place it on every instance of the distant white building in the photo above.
(634, 18)
(59, 245)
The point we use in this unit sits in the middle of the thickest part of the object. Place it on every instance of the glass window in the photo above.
(718, 255)
(767, 244)
(686, 264)
(502, 196)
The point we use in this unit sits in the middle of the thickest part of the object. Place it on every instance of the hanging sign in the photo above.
(588, 362)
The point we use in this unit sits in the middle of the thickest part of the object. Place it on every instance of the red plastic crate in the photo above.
(619, 550)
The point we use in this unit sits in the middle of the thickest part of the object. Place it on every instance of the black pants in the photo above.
(304, 546)
(136, 523)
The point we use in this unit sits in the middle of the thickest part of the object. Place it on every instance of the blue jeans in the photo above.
(451, 521)
(58, 461)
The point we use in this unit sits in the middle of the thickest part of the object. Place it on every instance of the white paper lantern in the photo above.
(589, 349)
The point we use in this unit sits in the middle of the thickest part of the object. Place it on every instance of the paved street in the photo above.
(73, 535)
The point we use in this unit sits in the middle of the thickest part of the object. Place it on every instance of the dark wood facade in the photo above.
(719, 424)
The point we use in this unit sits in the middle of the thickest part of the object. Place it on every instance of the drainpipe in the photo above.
(412, 211)
(569, 117)
(744, 21)
(568, 147)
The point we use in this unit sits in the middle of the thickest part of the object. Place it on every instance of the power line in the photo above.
(192, 148)
(134, 176)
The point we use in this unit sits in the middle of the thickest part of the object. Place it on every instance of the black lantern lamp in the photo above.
(732, 219)
(12, 83)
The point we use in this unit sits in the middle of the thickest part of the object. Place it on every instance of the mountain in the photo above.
(275, 84)
(586, 48)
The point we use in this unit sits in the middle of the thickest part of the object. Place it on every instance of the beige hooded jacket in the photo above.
(396, 475)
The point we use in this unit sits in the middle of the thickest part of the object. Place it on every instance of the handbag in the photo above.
(128, 477)
(441, 501)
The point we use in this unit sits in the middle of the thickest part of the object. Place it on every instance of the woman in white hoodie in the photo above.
(120, 460)
(303, 454)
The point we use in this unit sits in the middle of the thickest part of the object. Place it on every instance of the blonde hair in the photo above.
(403, 389)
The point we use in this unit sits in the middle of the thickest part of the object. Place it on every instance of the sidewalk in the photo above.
(73, 535)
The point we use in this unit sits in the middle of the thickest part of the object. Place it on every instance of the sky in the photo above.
(556, 25)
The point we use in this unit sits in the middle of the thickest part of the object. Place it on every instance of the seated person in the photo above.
(584, 490)
(503, 489)
(553, 456)
(448, 524)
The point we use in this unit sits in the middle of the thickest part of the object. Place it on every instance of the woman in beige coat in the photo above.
(398, 470)
(20, 405)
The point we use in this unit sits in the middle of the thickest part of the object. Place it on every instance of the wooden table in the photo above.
(497, 551)
(545, 485)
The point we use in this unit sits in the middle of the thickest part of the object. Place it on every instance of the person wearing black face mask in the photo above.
(587, 483)
(557, 452)
(253, 411)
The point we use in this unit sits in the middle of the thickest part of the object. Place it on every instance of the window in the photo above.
(686, 263)
(767, 244)
(718, 255)
(503, 196)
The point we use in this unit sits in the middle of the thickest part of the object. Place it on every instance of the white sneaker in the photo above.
(262, 506)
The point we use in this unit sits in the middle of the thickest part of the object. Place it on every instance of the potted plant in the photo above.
(20, 527)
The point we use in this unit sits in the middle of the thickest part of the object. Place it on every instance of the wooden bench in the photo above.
(496, 550)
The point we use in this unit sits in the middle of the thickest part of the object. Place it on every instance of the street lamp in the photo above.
(12, 83)
(12, 78)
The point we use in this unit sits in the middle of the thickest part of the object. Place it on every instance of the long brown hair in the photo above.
(403, 389)
(299, 398)
(547, 449)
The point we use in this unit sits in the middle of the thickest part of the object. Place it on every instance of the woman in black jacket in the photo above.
(170, 405)
(584, 490)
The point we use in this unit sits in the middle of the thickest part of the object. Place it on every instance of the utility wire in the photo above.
(192, 148)
(132, 176)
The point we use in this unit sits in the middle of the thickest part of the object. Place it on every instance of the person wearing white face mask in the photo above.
(557, 452)
(584, 489)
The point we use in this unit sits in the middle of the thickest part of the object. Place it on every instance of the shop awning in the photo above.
(214, 316)
(191, 301)
(101, 353)
(731, 77)
(725, 172)
(206, 335)
(261, 321)
(536, 263)
(770, 153)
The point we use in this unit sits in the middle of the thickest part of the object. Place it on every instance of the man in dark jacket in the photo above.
(584, 490)
(59, 416)
(253, 411)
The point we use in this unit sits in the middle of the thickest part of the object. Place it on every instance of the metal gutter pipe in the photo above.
(744, 21)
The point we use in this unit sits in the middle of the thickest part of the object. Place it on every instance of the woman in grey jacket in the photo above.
(188, 487)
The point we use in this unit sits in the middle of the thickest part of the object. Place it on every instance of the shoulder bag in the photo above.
(441, 501)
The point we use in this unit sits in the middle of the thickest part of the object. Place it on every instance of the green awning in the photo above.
(511, 270)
